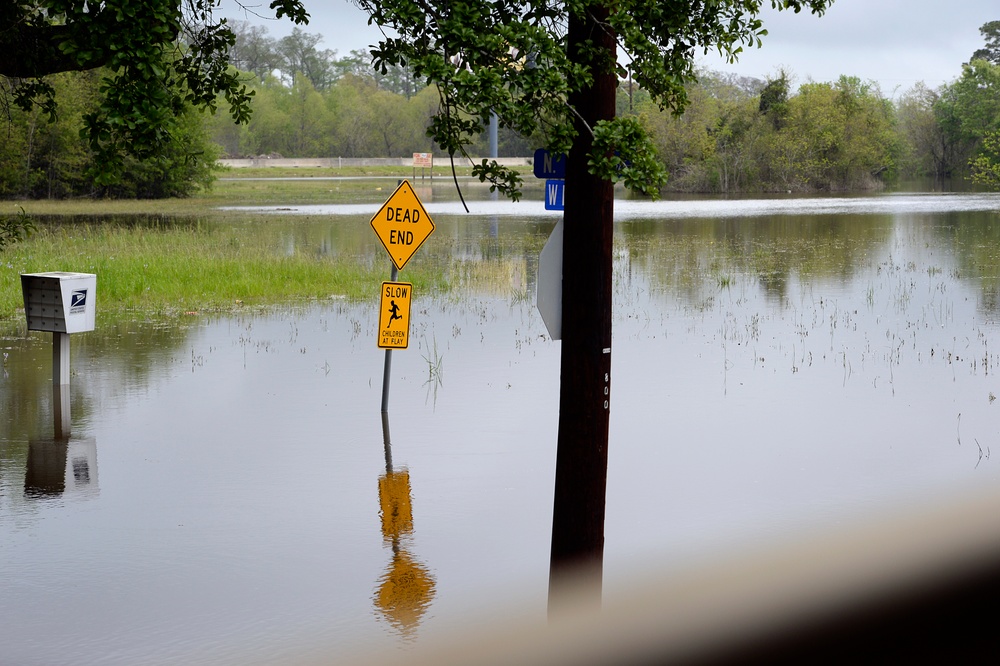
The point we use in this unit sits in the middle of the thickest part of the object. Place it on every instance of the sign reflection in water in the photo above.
(406, 590)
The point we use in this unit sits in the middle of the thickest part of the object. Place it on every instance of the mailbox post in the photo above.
(62, 303)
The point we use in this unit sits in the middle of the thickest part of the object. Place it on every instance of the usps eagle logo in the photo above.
(78, 301)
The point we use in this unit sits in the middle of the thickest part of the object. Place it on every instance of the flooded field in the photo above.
(226, 492)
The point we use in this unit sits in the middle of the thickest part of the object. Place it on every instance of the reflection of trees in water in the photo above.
(990, 301)
(974, 238)
(467, 254)
(693, 258)
(471, 261)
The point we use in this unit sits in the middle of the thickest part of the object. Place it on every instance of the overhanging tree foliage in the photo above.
(161, 55)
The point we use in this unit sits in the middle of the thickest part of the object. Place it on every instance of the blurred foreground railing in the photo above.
(918, 585)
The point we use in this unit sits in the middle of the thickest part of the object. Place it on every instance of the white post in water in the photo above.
(61, 414)
(60, 359)
(62, 303)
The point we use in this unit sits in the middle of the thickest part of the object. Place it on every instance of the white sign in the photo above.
(423, 160)
(549, 294)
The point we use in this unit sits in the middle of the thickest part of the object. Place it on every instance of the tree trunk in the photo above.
(585, 379)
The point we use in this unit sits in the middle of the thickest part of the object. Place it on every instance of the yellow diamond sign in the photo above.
(402, 224)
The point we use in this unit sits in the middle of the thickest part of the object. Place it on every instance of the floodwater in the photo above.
(226, 492)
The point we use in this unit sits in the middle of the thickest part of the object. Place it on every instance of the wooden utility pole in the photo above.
(585, 376)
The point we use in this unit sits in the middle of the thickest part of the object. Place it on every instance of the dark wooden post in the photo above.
(585, 377)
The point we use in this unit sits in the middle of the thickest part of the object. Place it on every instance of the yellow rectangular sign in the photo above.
(394, 315)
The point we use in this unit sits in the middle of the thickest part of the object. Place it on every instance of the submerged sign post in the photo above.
(402, 225)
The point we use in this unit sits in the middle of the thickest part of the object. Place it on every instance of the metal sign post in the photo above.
(402, 225)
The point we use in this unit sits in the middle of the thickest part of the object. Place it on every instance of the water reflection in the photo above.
(681, 207)
(405, 591)
(60, 467)
(62, 413)
(773, 371)
(54, 465)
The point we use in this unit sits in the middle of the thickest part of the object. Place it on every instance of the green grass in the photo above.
(201, 266)
(180, 255)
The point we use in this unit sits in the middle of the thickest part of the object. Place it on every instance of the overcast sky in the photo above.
(893, 42)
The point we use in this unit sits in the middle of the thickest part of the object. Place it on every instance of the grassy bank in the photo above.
(189, 266)
(192, 255)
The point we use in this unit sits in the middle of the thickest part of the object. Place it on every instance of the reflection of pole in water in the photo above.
(61, 416)
(45, 475)
(387, 442)
(55, 467)
(406, 589)
(61, 465)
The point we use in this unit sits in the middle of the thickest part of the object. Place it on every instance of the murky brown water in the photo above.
(226, 493)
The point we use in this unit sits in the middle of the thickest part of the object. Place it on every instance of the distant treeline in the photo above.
(736, 134)
(748, 135)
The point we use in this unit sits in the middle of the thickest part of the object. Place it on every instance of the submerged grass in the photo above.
(180, 255)
(200, 266)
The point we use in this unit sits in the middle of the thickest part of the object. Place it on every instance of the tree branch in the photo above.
(32, 51)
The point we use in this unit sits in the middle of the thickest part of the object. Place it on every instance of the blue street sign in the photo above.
(555, 195)
(548, 165)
